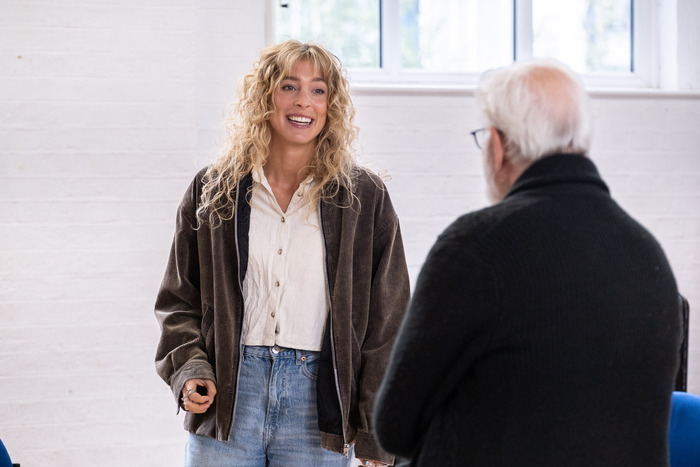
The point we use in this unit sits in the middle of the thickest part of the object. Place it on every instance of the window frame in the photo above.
(644, 41)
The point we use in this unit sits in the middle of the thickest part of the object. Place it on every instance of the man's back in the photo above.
(563, 333)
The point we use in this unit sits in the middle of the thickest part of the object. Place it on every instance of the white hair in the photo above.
(540, 107)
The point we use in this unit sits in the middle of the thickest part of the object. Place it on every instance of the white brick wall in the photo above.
(107, 109)
(106, 112)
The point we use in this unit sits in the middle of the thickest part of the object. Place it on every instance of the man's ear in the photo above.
(497, 149)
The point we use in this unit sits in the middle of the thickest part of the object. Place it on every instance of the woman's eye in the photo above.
(319, 91)
(287, 87)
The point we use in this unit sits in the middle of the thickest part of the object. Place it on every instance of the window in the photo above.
(607, 41)
(453, 41)
(592, 36)
(453, 35)
(350, 28)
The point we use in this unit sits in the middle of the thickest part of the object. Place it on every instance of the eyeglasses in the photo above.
(480, 136)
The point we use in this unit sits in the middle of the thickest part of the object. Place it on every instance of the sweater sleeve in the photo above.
(181, 353)
(447, 326)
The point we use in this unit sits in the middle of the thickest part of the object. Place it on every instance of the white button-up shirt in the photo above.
(284, 290)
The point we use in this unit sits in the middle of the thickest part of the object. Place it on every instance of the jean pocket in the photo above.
(309, 367)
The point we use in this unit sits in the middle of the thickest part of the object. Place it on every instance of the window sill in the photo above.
(404, 89)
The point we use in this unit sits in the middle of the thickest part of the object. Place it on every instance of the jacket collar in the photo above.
(557, 172)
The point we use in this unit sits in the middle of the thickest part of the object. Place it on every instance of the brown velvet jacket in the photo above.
(200, 310)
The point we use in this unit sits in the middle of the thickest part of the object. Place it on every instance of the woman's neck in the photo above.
(285, 171)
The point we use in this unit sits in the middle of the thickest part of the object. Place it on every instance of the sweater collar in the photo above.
(559, 169)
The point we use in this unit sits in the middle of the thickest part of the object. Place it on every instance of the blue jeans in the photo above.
(275, 421)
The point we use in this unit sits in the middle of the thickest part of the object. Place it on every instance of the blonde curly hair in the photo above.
(247, 143)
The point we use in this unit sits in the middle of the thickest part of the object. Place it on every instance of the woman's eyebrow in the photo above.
(294, 78)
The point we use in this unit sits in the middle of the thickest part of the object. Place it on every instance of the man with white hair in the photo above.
(545, 329)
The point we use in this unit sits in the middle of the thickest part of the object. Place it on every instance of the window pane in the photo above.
(348, 28)
(589, 35)
(456, 35)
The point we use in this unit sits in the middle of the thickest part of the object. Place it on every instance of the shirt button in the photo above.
(279, 252)
(277, 283)
(272, 314)
(283, 220)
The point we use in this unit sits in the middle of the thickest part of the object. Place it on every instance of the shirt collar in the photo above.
(260, 178)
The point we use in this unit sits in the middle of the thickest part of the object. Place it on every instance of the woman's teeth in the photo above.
(303, 120)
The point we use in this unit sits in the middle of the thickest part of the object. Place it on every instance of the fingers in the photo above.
(211, 387)
(199, 390)
(198, 395)
(193, 407)
(196, 407)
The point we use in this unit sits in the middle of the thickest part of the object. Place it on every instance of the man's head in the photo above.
(532, 109)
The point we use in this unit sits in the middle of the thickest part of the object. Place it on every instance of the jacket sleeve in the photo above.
(389, 295)
(181, 354)
(447, 326)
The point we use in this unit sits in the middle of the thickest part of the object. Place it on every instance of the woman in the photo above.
(286, 281)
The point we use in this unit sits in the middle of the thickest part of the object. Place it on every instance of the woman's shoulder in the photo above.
(201, 175)
(365, 180)
(372, 196)
(198, 180)
(202, 172)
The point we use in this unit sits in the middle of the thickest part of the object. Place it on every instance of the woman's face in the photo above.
(301, 103)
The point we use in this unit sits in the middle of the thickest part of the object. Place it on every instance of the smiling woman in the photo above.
(248, 144)
(276, 312)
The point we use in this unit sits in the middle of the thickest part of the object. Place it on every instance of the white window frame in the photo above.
(644, 46)
(644, 37)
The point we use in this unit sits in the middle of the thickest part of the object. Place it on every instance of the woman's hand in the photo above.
(198, 395)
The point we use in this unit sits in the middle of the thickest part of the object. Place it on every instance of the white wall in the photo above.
(107, 109)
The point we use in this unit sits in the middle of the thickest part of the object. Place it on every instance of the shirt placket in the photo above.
(278, 275)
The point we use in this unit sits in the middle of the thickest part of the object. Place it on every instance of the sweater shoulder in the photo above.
(473, 226)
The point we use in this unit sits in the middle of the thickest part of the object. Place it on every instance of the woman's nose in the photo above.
(303, 99)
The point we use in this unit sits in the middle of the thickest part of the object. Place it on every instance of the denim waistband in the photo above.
(276, 352)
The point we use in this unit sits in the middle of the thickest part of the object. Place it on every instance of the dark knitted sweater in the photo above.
(543, 331)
